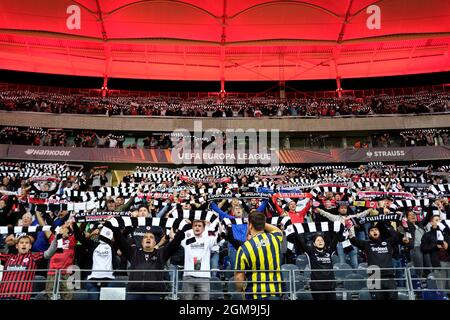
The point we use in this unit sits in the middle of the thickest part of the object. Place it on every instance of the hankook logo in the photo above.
(47, 152)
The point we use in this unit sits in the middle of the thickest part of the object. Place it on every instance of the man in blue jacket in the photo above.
(239, 230)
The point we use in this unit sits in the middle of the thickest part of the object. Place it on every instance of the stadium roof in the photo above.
(234, 39)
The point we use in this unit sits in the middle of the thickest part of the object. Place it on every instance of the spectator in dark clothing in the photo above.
(435, 242)
(319, 256)
(145, 264)
(379, 251)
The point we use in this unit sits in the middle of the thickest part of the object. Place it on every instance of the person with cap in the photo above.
(323, 282)
(343, 217)
(379, 252)
(436, 243)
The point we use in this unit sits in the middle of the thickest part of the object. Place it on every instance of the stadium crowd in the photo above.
(78, 138)
(219, 214)
(230, 107)
(156, 140)
(431, 137)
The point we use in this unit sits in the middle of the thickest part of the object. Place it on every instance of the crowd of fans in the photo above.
(89, 138)
(82, 138)
(410, 138)
(229, 107)
(33, 136)
(408, 202)
(429, 137)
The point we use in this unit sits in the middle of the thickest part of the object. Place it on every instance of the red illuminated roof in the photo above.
(241, 39)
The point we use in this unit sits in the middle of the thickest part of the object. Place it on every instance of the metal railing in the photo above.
(18, 287)
(222, 284)
(348, 283)
(290, 95)
(296, 284)
(241, 118)
(431, 283)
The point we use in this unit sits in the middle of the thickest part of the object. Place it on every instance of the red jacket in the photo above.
(296, 216)
(62, 260)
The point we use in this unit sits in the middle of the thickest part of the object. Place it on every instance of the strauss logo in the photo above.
(369, 154)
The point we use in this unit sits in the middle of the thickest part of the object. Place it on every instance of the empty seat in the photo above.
(285, 270)
(341, 270)
(216, 289)
(433, 295)
(335, 259)
(307, 272)
(232, 290)
(431, 281)
(403, 295)
(302, 262)
(354, 282)
(80, 295)
(39, 284)
(304, 296)
(289, 266)
(362, 269)
(362, 265)
(40, 296)
(342, 294)
(119, 282)
(286, 275)
(300, 281)
(364, 295)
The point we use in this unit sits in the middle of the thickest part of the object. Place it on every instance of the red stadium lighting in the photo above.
(104, 92)
(185, 40)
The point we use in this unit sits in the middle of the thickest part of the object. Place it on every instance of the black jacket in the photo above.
(380, 252)
(320, 262)
(141, 260)
(429, 245)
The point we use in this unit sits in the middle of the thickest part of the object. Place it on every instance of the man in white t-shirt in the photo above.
(197, 254)
(112, 142)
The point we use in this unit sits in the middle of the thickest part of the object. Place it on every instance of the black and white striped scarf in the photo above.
(34, 229)
(323, 189)
(369, 184)
(134, 222)
(440, 189)
(96, 216)
(312, 227)
(413, 203)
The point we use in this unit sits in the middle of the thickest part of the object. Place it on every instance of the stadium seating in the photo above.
(301, 261)
(341, 270)
(354, 282)
(216, 289)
